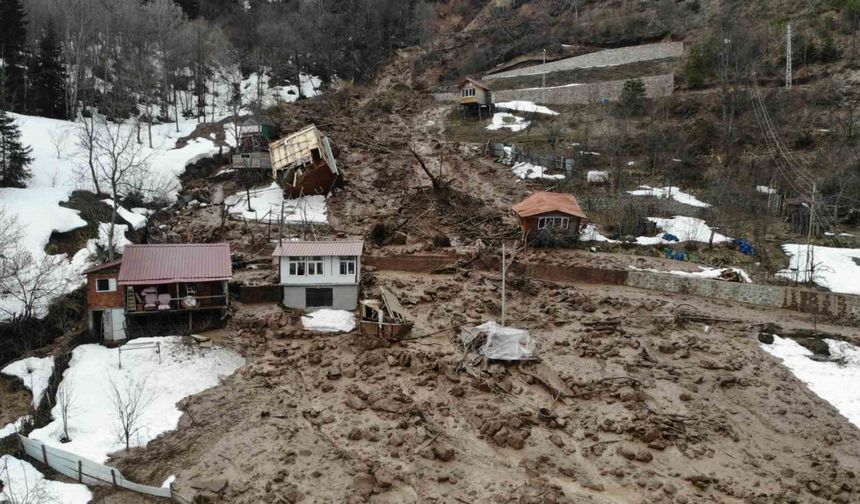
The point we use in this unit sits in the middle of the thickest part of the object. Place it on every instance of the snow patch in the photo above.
(684, 228)
(597, 176)
(327, 320)
(35, 372)
(669, 192)
(530, 171)
(765, 189)
(837, 269)
(136, 220)
(24, 483)
(14, 427)
(184, 370)
(705, 272)
(828, 380)
(525, 106)
(503, 120)
(266, 206)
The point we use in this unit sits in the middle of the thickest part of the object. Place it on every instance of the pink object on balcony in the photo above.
(164, 301)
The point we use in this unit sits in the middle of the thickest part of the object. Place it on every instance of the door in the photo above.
(316, 298)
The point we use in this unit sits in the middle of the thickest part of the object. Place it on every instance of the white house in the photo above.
(320, 274)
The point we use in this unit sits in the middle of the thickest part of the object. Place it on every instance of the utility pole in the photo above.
(810, 263)
(504, 278)
(543, 83)
(788, 75)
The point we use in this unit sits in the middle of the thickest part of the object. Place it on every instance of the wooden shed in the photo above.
(303, 163)
(476, 98)
(252, 146)
(547, 218)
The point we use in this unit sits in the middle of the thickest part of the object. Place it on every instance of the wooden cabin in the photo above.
(303, 163)
(550, 218)
(157, 281)
(252, 146)
(476, 98)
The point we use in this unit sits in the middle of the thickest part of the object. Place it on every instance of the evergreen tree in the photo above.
(632, 99)
(14, 157)
(13, 37)
(48, 77)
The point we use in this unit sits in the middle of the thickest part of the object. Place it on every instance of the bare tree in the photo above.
(86, 136)
(65, 400)
(32, 282)
(119, 160)
(19, 488)
(130, 401)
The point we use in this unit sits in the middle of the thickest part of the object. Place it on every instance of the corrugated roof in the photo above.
(102, 267)
(545, 202)
(169, 263)
(320, 248)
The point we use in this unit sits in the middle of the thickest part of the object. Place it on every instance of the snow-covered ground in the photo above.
(23, 483)
(597, 176)
(184, 370)
(765, 189)
(34, 372)
(531, 171)
(137, 220)
(669, 192)
(705, 272)
(503, 120)
(837, 269)
(266, 206)
(327, 320)
(60, 166)
(13, 427)
(684, 228)
(525, 106)
(831, 381)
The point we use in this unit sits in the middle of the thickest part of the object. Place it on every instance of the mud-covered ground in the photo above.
(637, 407)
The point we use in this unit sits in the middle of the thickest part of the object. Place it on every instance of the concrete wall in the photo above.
(655, 86)
(577, 94)
(344, 297)
(605, 58)
(844, 307)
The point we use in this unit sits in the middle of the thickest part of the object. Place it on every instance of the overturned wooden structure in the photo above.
(384, 317)
(303, 163)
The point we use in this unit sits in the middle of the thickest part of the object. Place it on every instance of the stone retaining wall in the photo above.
(605, 58)
(579, 94)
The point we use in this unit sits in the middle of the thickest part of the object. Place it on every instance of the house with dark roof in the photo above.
(320, 274)
(155, 286)
(547, 218)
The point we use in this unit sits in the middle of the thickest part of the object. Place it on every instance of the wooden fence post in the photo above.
(80, 472)
(113, 476)
(44, 454)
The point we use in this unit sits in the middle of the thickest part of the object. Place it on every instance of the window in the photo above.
(347, 265)
(315, 265)
(468, 92)
(105, 285)
(553, 222)
(297, 266)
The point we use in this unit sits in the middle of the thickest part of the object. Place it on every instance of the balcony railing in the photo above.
(179, 304)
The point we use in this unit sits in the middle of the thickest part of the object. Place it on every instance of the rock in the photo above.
(443, 453)
(356, 403)
(516, 441)
(383, 478)
(354, 434)
(362, 484)
(293, 495)
(557, 439)
(650, 435)
(627, 452)
(458, 391)
(765, 338)
(813, 487)
(333, 373)
(644, 456)
(395, 439)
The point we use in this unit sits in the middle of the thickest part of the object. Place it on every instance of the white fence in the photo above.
(89, 472)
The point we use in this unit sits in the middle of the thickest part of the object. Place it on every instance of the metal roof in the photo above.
(545, 202)
(320, 248)
(474, 82)
(102, 267)
(171, 263)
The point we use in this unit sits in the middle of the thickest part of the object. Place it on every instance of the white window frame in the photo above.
(347, 265)
(553, 222)
(315, 266)
(296, 266)
(111, 285)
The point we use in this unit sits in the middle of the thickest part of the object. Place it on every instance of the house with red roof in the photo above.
(547, 217)
(156, 286)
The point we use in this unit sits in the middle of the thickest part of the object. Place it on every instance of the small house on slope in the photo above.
(320, 274)
(252, 146)
(303, 163)
(151, 283)
(476, 98)
(547, 217)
